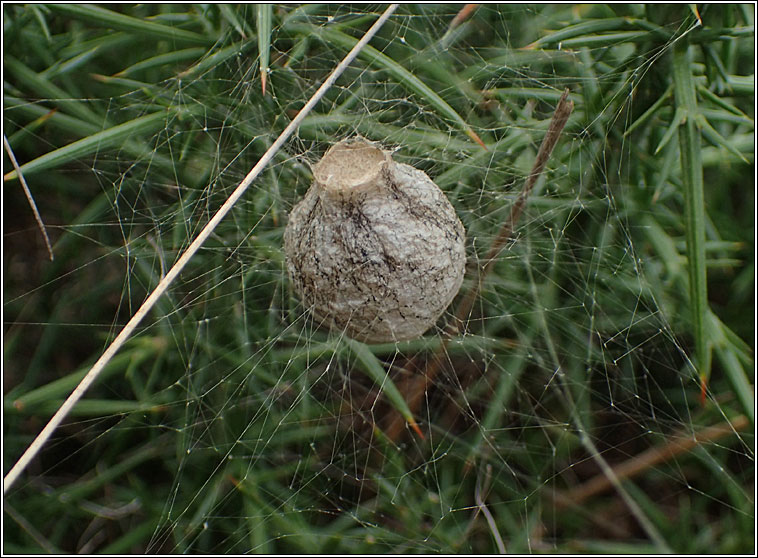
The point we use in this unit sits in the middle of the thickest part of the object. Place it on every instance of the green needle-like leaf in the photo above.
(42, 86)
(403, 76)
(726, 353)
(227, 11)
(113, 20)
(710, 133)
(650, 112)
(213, 60)
(166, 59)
(106, 139)
(264, 40)
(376, 371)
(724, 104)
(592, 27)
(680, 117)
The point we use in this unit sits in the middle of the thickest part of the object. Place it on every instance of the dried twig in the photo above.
(415, 385)
(674, 446)
(30, 530)
(29, 197)
(482, 507)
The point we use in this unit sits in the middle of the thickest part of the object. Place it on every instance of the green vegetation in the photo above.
(601, 399)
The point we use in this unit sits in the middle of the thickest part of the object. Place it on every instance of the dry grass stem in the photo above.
(29, 197)
(174, 272)
(415, 385)
(674, 446)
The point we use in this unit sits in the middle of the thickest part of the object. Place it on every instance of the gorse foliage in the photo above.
(611, 336)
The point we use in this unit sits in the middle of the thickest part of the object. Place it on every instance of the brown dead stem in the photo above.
(673, 446)
(414, 386)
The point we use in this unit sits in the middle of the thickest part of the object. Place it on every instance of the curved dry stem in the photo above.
(29, 197)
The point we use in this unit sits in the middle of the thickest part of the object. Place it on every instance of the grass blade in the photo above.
(650, 112)
(216, 58)
(76, 491)
(116, 135)
(231, 16)
(376, 371)
(403, 76)
(43, 87)
(449, 37)
(543, 94)
(729, 350)
(738, 378)
(113, 20)
(97, 407)
(592, 27)
(40, 17)
(168, 59)
(60, 387)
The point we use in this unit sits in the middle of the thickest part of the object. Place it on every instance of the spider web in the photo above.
(232, 423)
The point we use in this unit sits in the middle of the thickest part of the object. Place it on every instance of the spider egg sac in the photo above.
(374, 249)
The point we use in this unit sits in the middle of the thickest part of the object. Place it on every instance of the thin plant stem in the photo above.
(675, 445)
(30, 530)
(560, 117)
(584, 437)
(482, 507)
(174, 272)
(29, 197)
(647, 525)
